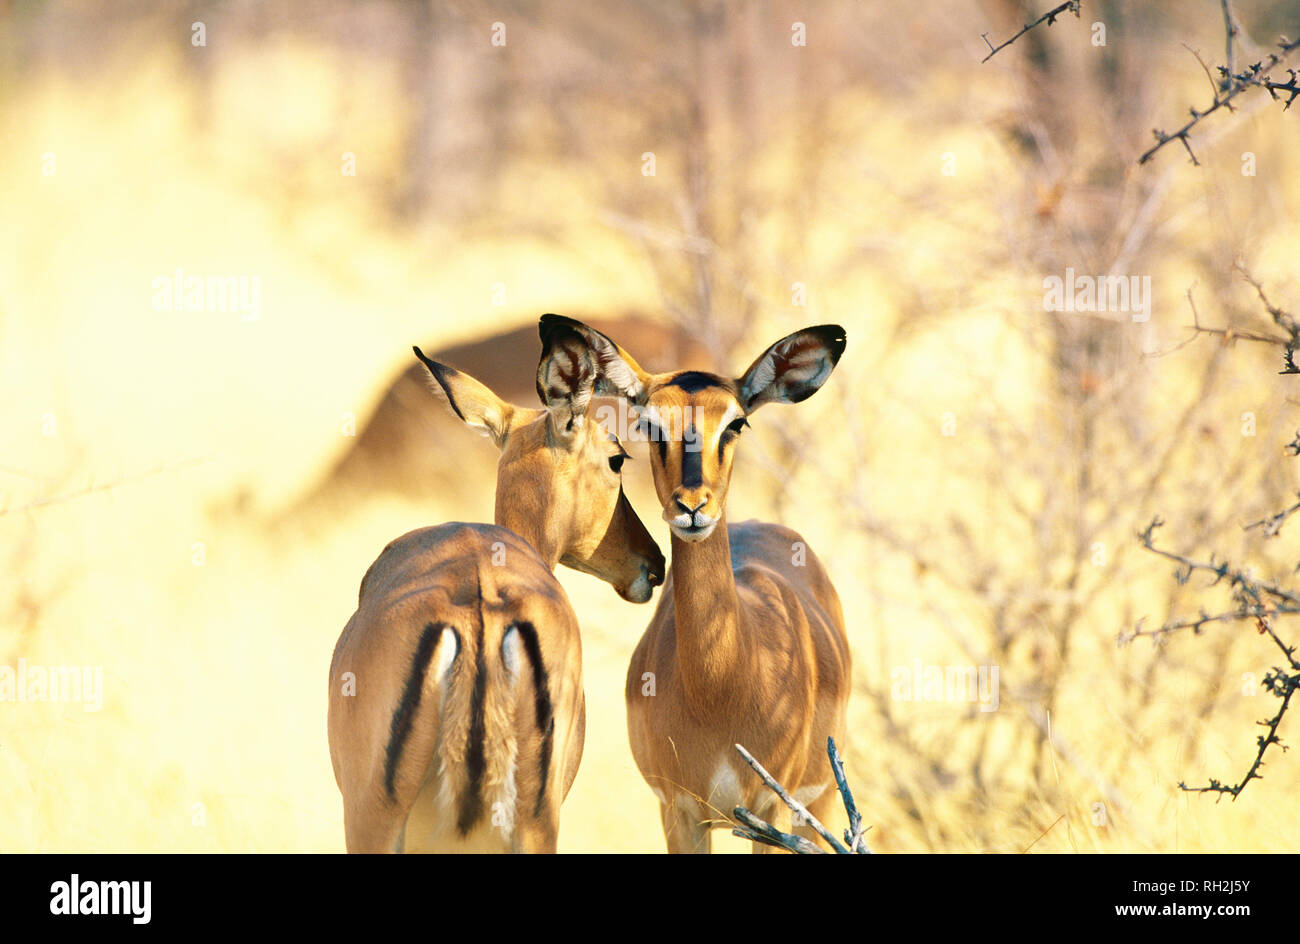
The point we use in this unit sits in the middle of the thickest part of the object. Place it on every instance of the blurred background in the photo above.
(190, 493)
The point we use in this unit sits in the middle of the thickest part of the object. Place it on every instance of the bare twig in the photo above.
(1228, 334)
(1044, 832)
(759, 830)
(1281, 318)
(1273, 524)
(1291, 88)
(852, 835)
(1230, 31)
(1262, 601)
(1071, 6)
(1256, 590)
(794, 805)
(1254, 76)
(1214, 86)
(1283, 686)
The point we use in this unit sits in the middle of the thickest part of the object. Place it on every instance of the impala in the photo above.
(456, 707)
(747, 644)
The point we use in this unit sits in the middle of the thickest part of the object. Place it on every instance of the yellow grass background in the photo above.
(134, 534)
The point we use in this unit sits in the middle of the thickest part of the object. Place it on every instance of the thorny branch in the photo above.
(1233, 84)
(1071, 6)
(1280, 318)
(1258, 600)
(1228, 334)
(1283, 686)
(1273, 524)
(1283, 319)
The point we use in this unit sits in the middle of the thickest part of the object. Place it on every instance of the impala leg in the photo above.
(538, 836)
(684, 829)
(373, 828)
(533, 840)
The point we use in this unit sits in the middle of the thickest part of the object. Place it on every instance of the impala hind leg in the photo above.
(538, 837)
(685, 830)
(370, 828)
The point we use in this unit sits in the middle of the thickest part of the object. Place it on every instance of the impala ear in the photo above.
(793, 368)
(566, 377)
(477, 406)
(617, 373)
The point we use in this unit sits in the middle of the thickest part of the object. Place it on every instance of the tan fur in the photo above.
(560, 500)
(745, 645)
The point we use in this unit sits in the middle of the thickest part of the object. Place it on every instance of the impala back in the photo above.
(456, 707)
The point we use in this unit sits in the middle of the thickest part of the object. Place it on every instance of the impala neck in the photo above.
(531, 527)
(712, 651)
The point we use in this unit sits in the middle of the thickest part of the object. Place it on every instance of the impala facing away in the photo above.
(747, 644)
(456, 708)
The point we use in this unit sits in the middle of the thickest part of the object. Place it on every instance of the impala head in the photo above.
(694, 419)
(559, 480)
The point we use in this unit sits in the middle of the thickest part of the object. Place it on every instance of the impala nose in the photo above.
(687, 509)
(686, 514)
(689, 500)
(643, 587)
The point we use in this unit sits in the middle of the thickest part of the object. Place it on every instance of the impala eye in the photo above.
(735, 426)
(616, 461)
(649, 430)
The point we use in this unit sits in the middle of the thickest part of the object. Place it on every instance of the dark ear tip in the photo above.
(555, 329)
(835, 338)
(550, 322)
(434, 367)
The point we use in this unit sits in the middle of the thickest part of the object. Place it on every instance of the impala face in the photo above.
(571, 482)
(559, 479)
(694, 419)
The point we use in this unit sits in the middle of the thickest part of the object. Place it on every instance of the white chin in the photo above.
(641, 590)
(693, 534)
